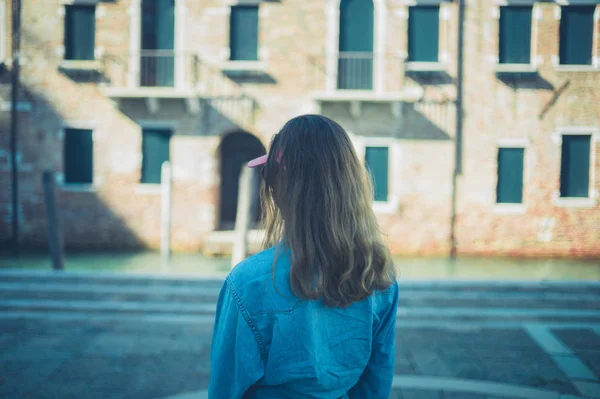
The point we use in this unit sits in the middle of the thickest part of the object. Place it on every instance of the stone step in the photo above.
(200, 294)
(457, 314)
(442, 287)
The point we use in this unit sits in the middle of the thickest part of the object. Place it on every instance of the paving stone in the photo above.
(578, 339)
(403, 365)
(590, 389)
(151, 360)
(71, 390)
(429, 362)
(84, 368)
(585, 344)
(34, 374)
(110, 382)
(117, 345)
(468, 369)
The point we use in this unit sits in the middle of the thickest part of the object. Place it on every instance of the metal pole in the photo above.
(54, 234)
(245, 206)
(16, 40)
(459, 125)
(165, 220)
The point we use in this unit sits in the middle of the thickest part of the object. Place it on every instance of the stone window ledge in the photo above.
(575, 202)
(425, 66)
(80, 65)
(250, 66)
(577, 68)
(78, 187)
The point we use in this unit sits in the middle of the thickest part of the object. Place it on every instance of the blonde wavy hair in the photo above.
(317, 201)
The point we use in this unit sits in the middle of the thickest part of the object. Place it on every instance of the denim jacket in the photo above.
(270, 344)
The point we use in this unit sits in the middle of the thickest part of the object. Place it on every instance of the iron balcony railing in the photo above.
(152, 68)
(186, 74)
(357, 71)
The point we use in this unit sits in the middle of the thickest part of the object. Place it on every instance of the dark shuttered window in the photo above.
(377, 162)
(423, 33)
(80, 32)
(515, 35)
(355, 62)
(157, 59)
(155, 151)
(243, 33)
(78, 156)
(575, 166)
(510, 176)
(576, 35)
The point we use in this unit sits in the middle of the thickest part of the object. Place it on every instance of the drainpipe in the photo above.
(16, 39)
(459, 124)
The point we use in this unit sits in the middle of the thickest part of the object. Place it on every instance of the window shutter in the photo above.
(243, 33)
(576, 33)
(80, 31)
(155, 151)
(356, 26)
(376, 159)
(509, 189)
(423, 33)
(575, 166)
(78, 156)
(355, 64)
(515, 35)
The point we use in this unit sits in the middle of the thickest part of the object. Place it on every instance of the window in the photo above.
(509, 189)
(80, 28)
(157, 58)
(575, 166)
(78, 156)
(376, 160)
(515, 35)
(243, 33)
(576, 35)
(423, 33)
(355, 56)
(155, 151)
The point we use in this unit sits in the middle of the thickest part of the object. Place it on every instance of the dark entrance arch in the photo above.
(235, 151)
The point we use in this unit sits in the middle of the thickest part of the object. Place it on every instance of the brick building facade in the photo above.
(110, 89)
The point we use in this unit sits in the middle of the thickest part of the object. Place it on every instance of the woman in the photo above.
(314, 315)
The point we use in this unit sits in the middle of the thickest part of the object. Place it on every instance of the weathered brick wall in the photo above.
(496, 110)
(292, 43)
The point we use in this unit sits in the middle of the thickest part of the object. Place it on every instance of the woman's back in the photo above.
(315, 315)
(286, 347)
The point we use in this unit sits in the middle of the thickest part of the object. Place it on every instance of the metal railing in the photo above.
(184, 72)
(357, 71)
(152, 68)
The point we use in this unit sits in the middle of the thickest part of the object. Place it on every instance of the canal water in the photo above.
(464, 268)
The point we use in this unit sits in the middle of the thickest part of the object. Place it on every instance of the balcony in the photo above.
(357, 77)
(151, 73)
(154, 75)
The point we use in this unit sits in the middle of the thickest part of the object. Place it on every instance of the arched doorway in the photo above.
(355, 62)
(235, 151)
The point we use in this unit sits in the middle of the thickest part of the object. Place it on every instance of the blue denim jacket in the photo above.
(271, 345)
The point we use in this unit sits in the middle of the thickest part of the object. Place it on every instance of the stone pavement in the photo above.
(86, 335)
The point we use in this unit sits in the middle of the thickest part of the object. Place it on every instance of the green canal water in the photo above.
(467, 268)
